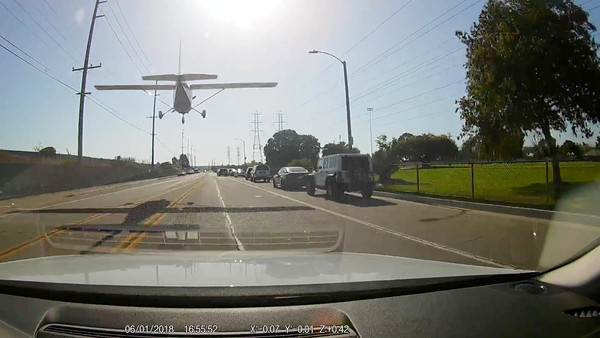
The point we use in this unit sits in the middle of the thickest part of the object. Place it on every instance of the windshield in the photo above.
(296, 170)
(429, 132)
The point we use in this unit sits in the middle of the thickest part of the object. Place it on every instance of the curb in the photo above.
(496, 208)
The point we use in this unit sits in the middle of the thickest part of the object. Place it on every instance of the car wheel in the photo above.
(337, 192)
(274, 185)
(310, 187)
(329, 189)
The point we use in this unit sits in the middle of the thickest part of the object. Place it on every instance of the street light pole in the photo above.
(244, 142)
(348, 121)
(370, 110)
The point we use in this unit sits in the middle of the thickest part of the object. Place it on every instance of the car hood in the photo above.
(231, 269)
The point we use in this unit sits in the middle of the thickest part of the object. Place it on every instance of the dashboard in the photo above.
(474, 307)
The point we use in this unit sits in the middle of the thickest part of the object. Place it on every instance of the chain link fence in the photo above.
(524, 182)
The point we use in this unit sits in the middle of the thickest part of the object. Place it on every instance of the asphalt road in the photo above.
(203, 212)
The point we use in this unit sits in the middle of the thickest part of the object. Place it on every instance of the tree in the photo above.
(382, 158)
(174, 160)
(287, 145)
(532, 67)
(597, 142)
(338, 148)
(570, 149)
(305, 163)
(469, 150)
(424, 148)
(48, 151)
(183, 161)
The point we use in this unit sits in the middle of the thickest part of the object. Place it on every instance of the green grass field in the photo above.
(511, 182)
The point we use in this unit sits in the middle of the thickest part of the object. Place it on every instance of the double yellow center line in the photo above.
(8, 252)
(134, 239)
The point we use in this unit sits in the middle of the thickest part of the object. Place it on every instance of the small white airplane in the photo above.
(182, 95)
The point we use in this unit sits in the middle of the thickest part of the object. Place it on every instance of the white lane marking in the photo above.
(231, 228)
(389, 231)
(90, 197)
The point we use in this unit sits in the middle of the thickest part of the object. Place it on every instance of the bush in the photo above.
(48, 151)
(166, 165)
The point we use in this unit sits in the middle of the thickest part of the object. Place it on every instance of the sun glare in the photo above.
(244, 13)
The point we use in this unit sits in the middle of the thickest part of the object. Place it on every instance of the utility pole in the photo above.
(85, 68)
(181, 141)
(256, 147)
(238, 155)
(153, 117)
(370, 110)
(228, 155)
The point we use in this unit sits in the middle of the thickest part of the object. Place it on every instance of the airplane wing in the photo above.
(233, 85)
(182, 77)
(134, 87)
(192, 77)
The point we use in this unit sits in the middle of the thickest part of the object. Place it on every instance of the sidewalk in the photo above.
(497, 207)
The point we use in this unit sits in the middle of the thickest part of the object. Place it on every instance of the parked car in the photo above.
(222, 172)
(190, 171)
(240, 173)
(181, 173)
(339, 173)
(290, 177)
(249, 173)
(196, 170)
(261, 172)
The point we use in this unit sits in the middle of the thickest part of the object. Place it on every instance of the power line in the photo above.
(165, 146)
(392, 80)
(22, 51)
(376, 28)
(420, 94)
(113, 113)
(101, 105)
(45, 32)
(402, 75)
(26, 26)
(40, 70)
(132, 34)
(126, 36)
(413, 83)
(409, 108)
(415, 117)
(397, 78)
(593, 8)
(586, 2)
(382, 56)
(122, 45)
(51, 8)
(356, 45)
(56, 29)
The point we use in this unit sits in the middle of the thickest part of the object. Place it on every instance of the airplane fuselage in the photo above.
(182, 99)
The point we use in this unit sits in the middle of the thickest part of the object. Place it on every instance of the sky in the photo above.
(403, 61)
